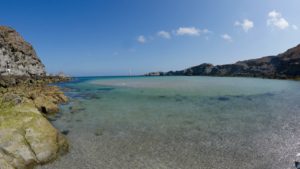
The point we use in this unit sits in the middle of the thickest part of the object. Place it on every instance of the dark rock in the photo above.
(269, 94)
(65, 132)
(223, 98)
(99, 132)
(43, 109)
(162, 97)
(105, 89)
(51, 119)
(178, 100)
(76, 109)
(297, 164)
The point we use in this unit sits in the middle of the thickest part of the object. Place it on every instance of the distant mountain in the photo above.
(282, 66)
(17, 57)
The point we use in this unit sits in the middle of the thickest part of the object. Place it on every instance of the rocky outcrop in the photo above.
(10, 81)
(282, 66)
(17, 57)
(27, 138)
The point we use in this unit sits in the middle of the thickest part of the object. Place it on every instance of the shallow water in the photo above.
(180, 123)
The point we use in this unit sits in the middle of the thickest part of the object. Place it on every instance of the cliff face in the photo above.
(282, 66)
(17, 57)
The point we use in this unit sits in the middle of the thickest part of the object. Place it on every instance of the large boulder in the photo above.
(27, 138)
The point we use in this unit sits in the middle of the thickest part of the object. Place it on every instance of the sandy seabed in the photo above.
(114, 127)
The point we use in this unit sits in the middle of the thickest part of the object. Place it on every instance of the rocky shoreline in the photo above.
(282, 66)
(27, 138)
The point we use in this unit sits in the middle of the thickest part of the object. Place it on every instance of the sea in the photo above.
(179, 122)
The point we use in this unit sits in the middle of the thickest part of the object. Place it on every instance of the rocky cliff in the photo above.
(27, 138)
(282, 66)
(17, 57)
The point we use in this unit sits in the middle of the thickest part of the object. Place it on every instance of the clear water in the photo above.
(180, 123)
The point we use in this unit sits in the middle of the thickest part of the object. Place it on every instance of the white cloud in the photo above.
(227, 37)
(246, 24)
(295, 27)
(206, 31)
(191, 31)
(277, 20)
(164, 34)
(141, 39)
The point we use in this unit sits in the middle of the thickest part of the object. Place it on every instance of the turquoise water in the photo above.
(180, 123)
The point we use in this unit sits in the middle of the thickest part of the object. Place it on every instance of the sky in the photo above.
(116, 37)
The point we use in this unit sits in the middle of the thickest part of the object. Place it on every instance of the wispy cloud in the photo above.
(141, 39)
(206, 31)
(190, 31)
(277, 20)
(295, 27)
(164, 34)
(246, 24)
(227, 37)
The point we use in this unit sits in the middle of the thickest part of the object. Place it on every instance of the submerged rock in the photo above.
(65, 132)
(222, 98)
(99, 132)
(76, 107)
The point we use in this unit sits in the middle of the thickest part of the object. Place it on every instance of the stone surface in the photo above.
(282, 66)
(17, 57)
(27, 138)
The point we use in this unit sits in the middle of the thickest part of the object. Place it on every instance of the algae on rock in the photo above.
(27, 138)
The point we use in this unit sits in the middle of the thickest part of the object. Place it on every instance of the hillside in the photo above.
(282, 66)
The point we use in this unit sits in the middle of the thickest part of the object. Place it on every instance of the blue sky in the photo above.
(111, 37)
